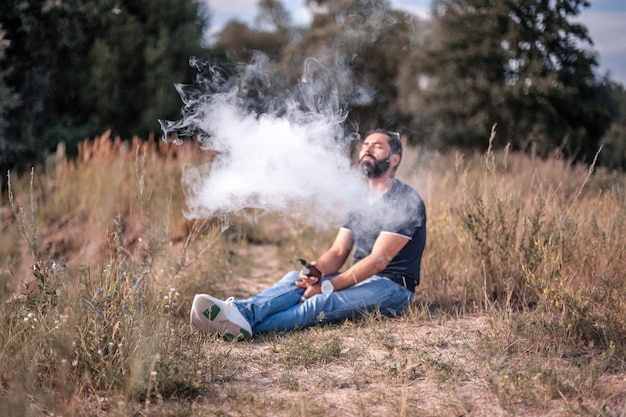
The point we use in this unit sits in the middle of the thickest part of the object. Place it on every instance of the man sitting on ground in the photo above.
(388, 233)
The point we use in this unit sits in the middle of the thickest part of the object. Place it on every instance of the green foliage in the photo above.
(519, 64)
(135, 65)
(8, 100)
(82, 67)
(614, 142)
(6, 97)
(48, 44)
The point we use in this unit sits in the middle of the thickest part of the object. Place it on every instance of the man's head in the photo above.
(380, 150)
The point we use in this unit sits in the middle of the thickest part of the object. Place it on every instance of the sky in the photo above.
(605, 20)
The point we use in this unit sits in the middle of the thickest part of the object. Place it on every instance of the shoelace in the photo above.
(229, 300)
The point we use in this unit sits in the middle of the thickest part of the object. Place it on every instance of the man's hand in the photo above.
(312, 290)
(311, 284)
(308, 283)
(307, 280)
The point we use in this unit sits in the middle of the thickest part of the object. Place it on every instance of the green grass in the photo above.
(521, 309)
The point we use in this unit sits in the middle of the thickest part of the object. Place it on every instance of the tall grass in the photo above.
(98, 318)
(525, 232)
(98, 268)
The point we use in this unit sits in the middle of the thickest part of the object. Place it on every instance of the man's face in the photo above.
(375, 155)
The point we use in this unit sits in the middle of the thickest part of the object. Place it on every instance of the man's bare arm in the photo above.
(385, 249)
(333, 259)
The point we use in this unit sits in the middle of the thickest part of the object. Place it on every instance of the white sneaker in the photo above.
(209, 314)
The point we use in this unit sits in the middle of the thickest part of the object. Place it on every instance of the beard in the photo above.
(375, 169)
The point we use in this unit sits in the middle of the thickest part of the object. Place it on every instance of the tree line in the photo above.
(69, 70)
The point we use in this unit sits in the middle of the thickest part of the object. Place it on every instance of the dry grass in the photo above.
(521, 310)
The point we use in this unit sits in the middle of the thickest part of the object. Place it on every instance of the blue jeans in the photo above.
(277, 308)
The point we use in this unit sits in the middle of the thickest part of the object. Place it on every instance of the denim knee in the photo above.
(290, 277)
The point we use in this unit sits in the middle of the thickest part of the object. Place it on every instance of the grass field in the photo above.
(521, 310)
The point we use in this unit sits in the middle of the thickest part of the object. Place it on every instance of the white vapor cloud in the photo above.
(292, 156)
(271, 163)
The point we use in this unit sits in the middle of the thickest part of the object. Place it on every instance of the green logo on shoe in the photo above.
(211, 313)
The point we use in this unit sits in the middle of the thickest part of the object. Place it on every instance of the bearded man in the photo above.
(388, 235)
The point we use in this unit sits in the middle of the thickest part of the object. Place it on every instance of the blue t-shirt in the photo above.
(399, 211)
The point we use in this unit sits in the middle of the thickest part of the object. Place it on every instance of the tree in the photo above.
(518, 63)
(242, 41)
(8, 100)
(143, 52)
(273, 13)
(614, 142)
(370, 43)
(82, 67)
(271, 35)
(462, 62)
(46, 43)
